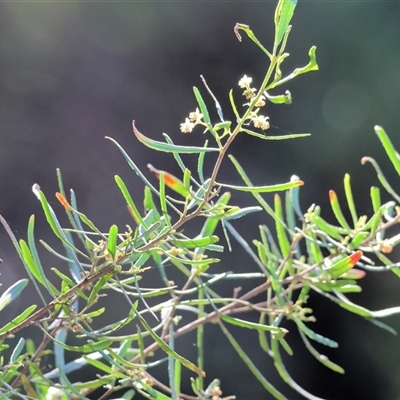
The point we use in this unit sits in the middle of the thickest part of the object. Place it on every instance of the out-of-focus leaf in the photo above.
(194, 243)
(276, 331)
(12, 292)
(17, 350)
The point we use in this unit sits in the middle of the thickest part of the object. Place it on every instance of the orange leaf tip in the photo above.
(332, 195)
(355, 257)
(63, 201)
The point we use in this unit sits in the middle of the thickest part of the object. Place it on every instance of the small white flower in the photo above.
(187, 126)
(244, 83)
(195, 116)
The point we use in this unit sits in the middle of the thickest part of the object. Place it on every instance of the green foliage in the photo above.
(303, 257)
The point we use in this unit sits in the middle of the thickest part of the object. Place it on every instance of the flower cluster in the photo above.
(248, 92)
(194, 119)
(259, 121)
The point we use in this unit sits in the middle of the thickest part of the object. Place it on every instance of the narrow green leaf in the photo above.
(355, 309)
(331, 230)
(283, 15)
(251, 366)
(202, 105)
(187, 175)
(97, 287)
(20, 318)
(169, 148)
(36, 259)
(350, 199)
(233, 105)
(204, 261)
(112, 240)
(166, 348)
(30, 263)
(388, 146)
(200, 164)
(163, 200)
(381, 177)
(105, 368)
(321, 358)
(276, 331)
(283, 241)
(357, 240)
(263, 189)
(135, 213)
(50, 216)
(337, 210)
(262, 336)
(375, 198)
(314, 249)
(315, 336)
(195, 243)
(69, 282)
(276, 137)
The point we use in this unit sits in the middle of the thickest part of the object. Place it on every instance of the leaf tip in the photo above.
(63, 201)
(355, 257)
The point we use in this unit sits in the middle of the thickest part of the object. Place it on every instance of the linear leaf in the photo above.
(164, 346)
(167, 147)
(112, 240)
(12, 292)
(276, 331)
(263, 189)
(21, 317)
(283, 15)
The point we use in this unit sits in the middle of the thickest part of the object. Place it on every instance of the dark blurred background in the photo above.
(72, 73)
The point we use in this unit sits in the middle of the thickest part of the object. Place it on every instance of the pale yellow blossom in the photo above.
(187, 126)
(261, 122)
(249, 93)
(195, 116)
(261, 101)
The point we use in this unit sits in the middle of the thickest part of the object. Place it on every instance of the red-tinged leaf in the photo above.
(64, 201)
(354, 258)
(170, 180)
(332, 195)
(354, 273)
(343, 265)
